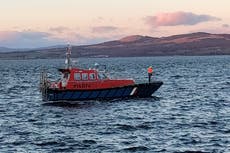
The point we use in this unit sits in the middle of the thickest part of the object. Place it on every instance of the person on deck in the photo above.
(150, 73)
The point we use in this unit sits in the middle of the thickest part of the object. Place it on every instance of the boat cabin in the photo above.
(74, 78)
(81, 79)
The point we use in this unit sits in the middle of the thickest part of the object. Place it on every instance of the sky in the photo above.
(41, 23)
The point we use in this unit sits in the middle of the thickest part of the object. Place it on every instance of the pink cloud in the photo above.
(178, 18)
(5, 35)
(26, 34)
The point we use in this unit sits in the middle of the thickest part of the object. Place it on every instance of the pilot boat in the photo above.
(77, 84)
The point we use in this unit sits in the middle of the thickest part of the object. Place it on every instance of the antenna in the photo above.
(68, 53)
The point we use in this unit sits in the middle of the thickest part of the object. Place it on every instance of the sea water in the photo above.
(189, 113)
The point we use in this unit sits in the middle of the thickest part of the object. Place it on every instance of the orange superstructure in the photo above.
(83, 79)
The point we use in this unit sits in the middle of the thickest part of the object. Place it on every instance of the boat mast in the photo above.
(68, 61)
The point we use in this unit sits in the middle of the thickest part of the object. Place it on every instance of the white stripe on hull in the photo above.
(133, 91)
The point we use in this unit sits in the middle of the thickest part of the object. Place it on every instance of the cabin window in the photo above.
(92, 76)
(84, 76)
(102, 76)
(77, 76)
(66, 75)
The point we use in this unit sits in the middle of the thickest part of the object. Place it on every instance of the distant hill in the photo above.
(186, 44)
(5, 49)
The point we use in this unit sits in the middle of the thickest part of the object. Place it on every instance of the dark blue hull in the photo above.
(137, 90)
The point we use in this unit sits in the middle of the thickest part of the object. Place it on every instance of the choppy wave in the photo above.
(188, 114)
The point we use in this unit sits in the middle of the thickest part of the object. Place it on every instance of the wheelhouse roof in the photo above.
(64, 70)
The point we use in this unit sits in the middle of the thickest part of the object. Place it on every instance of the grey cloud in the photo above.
(27, 39)
(225, 25)
(59, 29)
(104, 29)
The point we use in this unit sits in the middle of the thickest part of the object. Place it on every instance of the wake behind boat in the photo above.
(78, 84)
